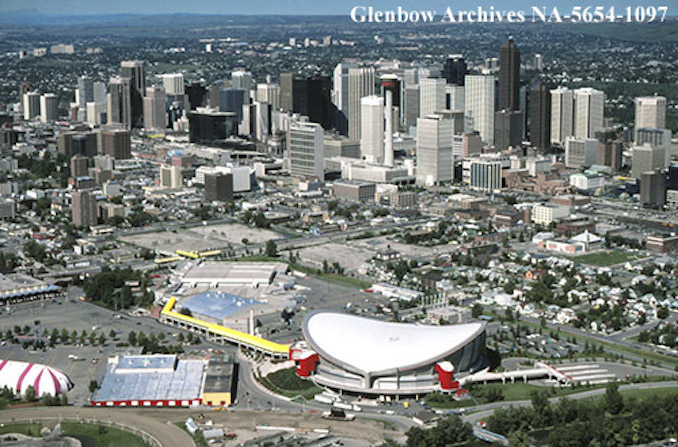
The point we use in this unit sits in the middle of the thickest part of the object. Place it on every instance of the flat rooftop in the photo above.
(234, 272)
(218, 305)
(16, 285)
(132, 379)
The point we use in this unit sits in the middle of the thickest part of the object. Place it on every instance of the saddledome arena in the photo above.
(370, 357)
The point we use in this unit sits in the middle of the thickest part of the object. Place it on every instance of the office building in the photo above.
(231, 100)
(580, 152)
(209, 125)
(361, 83)
(660, 138)
(117, 143)
(173, 84)
(49, 107)
(242, 79)
(155, 109)
(305, 150)
(197, 95)
(84, 92)
(218, 187)
(485, 175)
(653, 188)
(372, 129)
(83, 209)
(170, 177)
(434, 150)
(509, 76)
(77, 143)
(589, 108)
(479, 106)
(647, 158)
(455, 70)
(650, 112)
(548, 213)
(311, 98)
(431, 96)
(95, 113)
(540, 116)
(454, 98)
(79, 166)
(355, 191)
(508, 129)
(562, 114)
(411, 105)
(119, 102)
(31, 105)
(135, 71)
(340, 96)
(270, 94)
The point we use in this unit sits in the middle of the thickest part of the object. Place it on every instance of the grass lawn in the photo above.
(24, 429)
(285, 382)
(103, 436)
(346, 281)
(651, 393)
(607, 258)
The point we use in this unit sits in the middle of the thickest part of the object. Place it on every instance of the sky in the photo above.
(291, 7)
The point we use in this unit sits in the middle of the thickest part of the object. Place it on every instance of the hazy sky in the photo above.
(295, 7)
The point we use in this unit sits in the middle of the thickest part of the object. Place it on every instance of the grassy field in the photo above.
(606, 258)
(24, 429)
(651, 393)
(103, 436)
(346, 281)
(286, 383)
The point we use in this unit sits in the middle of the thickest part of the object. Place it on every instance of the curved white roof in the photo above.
(373, 346)
(18, 376)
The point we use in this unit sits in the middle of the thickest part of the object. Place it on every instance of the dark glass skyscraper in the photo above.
(509, 76)
(135, 71)
(311, 97)
(455, 69)
(540, 116)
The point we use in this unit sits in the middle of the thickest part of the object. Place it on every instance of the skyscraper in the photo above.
(540, 116)
(79, 166)
(562, 114)
(83, 209)
(360, 84)
(340, 95)
(650, 112)
(431, 96)
(411, 105)
(286, 91)
(269, 93)
(508, 129)
(31, 105)
(455, 70)
(85, 91)
(231, 100)
(372, 129)
(509, 76)
(485, 175)
(580, 152)
(170, 177)
(209, 125)
(173, 84)
(311, 98)
(49, 107)
(155, 114)
(119, 102)
(135, 71)
(646, 158)
(479, 106)
(659, 138)
(242, 79)
(653, 188)
(589, 109)
(305, 150)
(434, 150)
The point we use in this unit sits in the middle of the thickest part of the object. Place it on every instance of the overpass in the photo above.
(221, 334)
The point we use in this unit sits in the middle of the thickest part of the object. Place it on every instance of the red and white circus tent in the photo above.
(18, 376)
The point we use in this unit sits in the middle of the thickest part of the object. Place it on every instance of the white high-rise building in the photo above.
(431, 96)
(85, 91)
(96, 113)
(173, 84)
(31, 105)
(242, 79)
(650, 112)
(647, 158)
(485, 175)
(360, 84)
(562, 114)
(49, 110)
(269, 93)
(589, 111)
(340, 86)
(99, 89)
(479, 106)
(454, 97)
(305, 150)
(372, 129)
(262, 119)
(434, 150)
(155, 116)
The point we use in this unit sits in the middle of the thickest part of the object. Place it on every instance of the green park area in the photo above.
(607, 258)
(90, 434)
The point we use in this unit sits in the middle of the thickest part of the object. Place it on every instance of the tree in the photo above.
(93, 385)
(35, 250)
(64, 335)
(271, 249)
(614, 403)
(476, 310)
(102, 339)
(662, 313)
(29, 394)
(132, 338)
(260, 221)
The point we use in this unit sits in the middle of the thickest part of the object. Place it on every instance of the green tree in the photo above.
(614, 403)
(64, 335)
(132, 338)
(93, 385)
(102, 339)
(29, 394)
(271, 249)
(476, 310)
